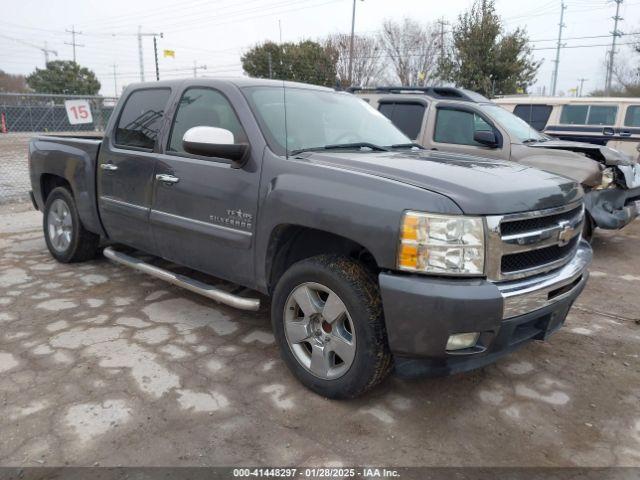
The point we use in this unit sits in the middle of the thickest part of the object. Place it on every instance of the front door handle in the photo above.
(109, 166)
(165, 178)
(625, 133)
(608, 131)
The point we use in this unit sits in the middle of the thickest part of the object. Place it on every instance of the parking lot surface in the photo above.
(100, 365)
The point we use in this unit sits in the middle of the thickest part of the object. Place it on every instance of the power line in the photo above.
(44, 49)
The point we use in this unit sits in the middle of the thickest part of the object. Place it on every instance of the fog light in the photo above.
(459, 341)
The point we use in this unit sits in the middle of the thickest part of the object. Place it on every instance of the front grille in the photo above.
(537, 258)
(536, 223)
(525, 244)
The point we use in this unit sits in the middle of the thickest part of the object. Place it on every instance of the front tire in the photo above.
(328, 321)
(67, 239)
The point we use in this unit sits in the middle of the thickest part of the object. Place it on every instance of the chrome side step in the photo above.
(183, 281)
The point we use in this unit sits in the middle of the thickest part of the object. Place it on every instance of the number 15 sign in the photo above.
(78, 111)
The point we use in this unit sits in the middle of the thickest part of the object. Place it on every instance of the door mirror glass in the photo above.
(215, 142)
(486, 138)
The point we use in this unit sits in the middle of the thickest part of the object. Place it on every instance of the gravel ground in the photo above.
(99, 364)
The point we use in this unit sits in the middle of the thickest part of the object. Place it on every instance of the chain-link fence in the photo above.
(23, 116)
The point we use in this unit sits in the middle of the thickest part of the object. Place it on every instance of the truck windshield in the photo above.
(318, 119)
(519, 130)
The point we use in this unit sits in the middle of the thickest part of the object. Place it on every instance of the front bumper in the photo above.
(422, 312)
(613, 208)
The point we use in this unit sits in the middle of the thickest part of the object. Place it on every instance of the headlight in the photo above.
(607, 179)
(441, 244)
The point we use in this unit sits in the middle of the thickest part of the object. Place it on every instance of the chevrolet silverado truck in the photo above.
(457, 120)
(375, 253)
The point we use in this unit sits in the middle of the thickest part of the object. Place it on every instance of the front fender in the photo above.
(361, 207)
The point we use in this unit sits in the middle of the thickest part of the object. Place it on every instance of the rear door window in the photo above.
(535, 115)
(632, 117)
(588, 114)
(406, 116)
(141, 118)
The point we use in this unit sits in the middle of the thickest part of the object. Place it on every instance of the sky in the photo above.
(215, 33)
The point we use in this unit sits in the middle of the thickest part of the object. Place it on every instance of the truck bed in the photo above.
(73, 158)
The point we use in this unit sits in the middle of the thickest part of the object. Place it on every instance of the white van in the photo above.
(610, 121)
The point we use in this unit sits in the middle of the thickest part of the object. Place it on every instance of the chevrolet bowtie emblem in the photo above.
(566, 233)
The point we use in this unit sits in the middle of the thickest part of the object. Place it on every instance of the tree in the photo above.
(66, 77)
(13, 83)
(412, 51)
(306, 61)
(486, 59)
(366, 66)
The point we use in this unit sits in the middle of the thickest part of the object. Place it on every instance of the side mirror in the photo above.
(215, 142)
(486, 138)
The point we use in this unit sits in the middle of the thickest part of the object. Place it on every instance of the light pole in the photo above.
(353, 26)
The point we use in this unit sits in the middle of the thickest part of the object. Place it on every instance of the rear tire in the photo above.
(328, 321)
(67, 239)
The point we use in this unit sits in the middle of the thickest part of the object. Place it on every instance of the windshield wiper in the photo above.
(533, 140)
(407, 145)
(339, 146)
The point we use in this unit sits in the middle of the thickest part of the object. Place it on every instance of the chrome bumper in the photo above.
(524, 296)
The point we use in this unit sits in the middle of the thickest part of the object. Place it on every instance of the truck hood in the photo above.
(479, 186)
(585, 171)
(626, 165)
(600, 153)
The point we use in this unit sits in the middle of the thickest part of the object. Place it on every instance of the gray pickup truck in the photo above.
(374, 252)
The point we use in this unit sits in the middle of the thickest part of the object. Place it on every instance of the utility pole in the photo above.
(615, 34)
(46, 52)
(155, 51)
(442, 22)
(554, 77)
(270, 66)
(581, 80)
(353, 26)
(140, 59)
(73, 43)
(196, 68)
(115, 81)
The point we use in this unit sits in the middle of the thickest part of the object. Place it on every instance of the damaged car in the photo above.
(460, 121)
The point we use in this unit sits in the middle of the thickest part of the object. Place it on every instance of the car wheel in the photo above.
(67, 239)
(328, 321)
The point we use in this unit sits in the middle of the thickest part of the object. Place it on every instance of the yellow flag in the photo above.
(169, 53)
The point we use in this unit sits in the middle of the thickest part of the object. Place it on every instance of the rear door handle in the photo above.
(165, 178)
(608, 131)
(109, 166)
(625, 133)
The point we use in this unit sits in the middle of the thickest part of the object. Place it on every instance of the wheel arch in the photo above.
(50, 181)
(289, 243)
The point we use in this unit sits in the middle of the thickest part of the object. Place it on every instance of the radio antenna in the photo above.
(284, 95)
